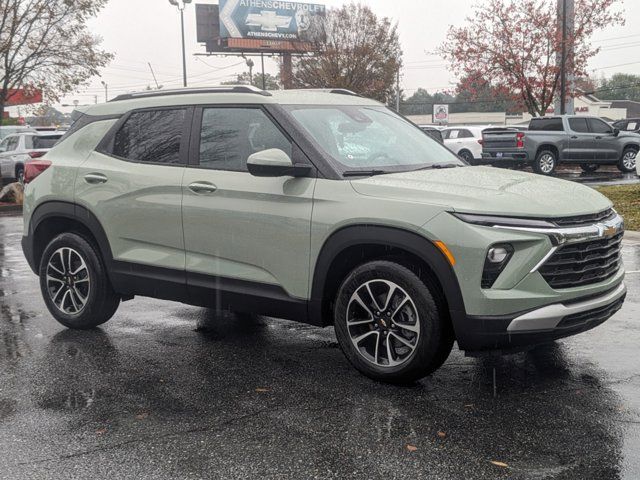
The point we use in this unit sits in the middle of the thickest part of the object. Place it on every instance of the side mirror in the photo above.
(275, 163)
(616, 132)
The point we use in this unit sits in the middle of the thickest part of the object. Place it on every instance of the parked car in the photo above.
(466, 142)
(7, 130)
(628, 125)
(329, 209)
(18, 149)
(433, 132)
(586, 141)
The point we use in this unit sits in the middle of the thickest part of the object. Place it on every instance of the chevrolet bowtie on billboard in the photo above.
(271, 20)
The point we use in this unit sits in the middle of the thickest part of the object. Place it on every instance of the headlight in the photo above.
(497, 258)
(493, 220)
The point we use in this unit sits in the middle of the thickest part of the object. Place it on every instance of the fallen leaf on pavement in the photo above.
(142, 416)
(442, 434)
(101, 431)
(262, 390)
(412, 448)
(500, 464)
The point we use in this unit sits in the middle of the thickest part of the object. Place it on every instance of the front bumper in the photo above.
(540, 325)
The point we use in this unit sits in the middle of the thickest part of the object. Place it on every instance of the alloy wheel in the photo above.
(629, 160)
(383, 323)
(68, 281)
(547, 163)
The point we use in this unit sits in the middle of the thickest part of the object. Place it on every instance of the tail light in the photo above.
(35, 168)
(481, 141)
(36, 154)
(520, 140)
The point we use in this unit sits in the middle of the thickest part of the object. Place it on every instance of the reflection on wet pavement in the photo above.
(166, 390)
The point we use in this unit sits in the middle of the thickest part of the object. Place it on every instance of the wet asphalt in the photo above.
(606, 175)
(165, 390)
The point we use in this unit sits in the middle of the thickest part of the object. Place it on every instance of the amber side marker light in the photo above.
(35, 168)
(445, 251)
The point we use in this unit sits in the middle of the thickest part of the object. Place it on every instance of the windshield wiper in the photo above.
(363, 173)
(439, 166)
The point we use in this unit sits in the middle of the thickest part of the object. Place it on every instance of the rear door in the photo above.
(244, 233)
(581, 146)
(8, 155)
(133, 184)
(605, 142)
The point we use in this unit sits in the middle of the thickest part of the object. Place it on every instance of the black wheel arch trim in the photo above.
(406, 240)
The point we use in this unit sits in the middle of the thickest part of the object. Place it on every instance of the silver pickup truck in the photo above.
(549, 141)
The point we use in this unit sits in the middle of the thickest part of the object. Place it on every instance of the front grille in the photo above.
(596, 315)
(582, 220)
(583, 263)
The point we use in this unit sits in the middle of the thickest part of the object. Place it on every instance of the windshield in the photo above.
(370, 138)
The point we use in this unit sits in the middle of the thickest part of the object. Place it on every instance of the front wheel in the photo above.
(628, 161)
(74, 283)
(390, 325)
(545, 163)
(589, 167)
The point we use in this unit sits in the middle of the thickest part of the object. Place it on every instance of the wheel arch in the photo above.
(52, 218)
(351, 246)
(633, 146)
(550, 147)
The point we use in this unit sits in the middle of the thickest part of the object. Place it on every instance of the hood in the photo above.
(487, 190)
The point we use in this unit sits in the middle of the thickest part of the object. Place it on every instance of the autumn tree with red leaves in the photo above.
(513, 45)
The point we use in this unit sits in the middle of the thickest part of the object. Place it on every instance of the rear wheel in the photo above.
(589, 167)
(545, 162)
(389, 324)
(74, 283)
(467, 156)
(628, 161)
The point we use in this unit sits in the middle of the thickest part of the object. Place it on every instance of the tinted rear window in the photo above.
(151, 137)
(45, 142)
(546, 125)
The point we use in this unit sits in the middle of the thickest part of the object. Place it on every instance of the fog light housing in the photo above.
(497, 258)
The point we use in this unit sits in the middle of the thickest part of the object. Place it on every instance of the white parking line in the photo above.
(635, 271)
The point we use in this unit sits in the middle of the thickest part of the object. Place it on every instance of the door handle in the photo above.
(202, 188)
(95, 178)
(575, 137)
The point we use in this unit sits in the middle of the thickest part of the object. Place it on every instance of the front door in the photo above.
(605, 142)
(244, 233)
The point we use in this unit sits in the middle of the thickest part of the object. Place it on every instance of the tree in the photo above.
(479, 95)
(621, 86)
(45, 44)
(514, 44)
(359, 52)
(271, 82)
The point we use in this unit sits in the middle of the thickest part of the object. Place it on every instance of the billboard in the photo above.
(441, 114)
(22, 96)
(272, 20)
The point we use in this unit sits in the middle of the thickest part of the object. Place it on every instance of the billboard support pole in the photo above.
(287, 70)
(264, 82)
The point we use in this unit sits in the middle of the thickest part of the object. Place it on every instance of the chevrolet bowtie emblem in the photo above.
(609, 231)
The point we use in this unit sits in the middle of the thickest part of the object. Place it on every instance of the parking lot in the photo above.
(169, 391)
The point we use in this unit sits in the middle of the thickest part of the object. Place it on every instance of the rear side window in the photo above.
(546, 125)
(598, 126)
(230, 135)
(632, 126)
(579, 125)
(465, 134)
(151, 137)
(45, 142)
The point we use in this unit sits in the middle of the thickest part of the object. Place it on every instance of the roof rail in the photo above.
(191, 91)
(343, 91)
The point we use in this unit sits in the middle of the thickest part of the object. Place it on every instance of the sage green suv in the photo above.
(321, 207)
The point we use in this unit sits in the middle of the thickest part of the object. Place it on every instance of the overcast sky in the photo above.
(139, 32)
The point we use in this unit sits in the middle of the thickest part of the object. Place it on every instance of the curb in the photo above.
(631, 236)
(10, 209)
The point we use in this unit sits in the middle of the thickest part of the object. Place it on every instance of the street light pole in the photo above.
(106, 90)
(181, 6)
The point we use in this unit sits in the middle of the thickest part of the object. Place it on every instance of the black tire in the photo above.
(589, 167)
(467, 156)
(545, 163)
(434, 340)
(101, 302)
(624, 165)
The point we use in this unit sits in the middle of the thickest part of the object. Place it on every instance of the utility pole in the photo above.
(250, 64)
(181, 4)
(566, 22)
(106, 90)
(154, 76)
(287, 71)
(264, 80)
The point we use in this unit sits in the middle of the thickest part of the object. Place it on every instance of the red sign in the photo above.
(22, 96)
